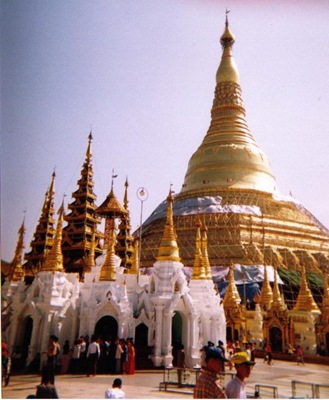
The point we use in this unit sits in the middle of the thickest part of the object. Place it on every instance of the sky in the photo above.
(141, 76)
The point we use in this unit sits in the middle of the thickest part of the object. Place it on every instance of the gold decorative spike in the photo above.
(54, 259)
(198, 270)
(232, 298)
(229, 157)
(266, 294)
(204, 253)
(168, 249)
(108, 271)
(16, 271)
(278, 301)
(89, 150)
(305, 300)
(135, 262)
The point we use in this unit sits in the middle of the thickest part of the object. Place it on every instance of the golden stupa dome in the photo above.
(229, 156)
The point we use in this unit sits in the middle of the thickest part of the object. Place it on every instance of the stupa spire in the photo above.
(54, 259)
(82, 221)
(16, 271)
(198, 270)
(204, 253)
(266, 293)
(135, 261)
(305, 300)
(229, 156)
(168, 249)
(90, 262)
(232, 298)
(278, 301)
(125, 240)
(108, 271)
(44, 233)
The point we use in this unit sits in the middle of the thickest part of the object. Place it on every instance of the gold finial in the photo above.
(54, 259)
(108, 271)
(204, 253)
(278, 301)
(266, 293)
(16, 271)
(89, 151)
(232, 298)
(305, 300)
(168, 248)
(198, 270)
(125, 198)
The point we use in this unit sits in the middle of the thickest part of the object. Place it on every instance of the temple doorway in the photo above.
(142, 350)
(106, 328)
(176, 334)
(276, 339)
(24, 336)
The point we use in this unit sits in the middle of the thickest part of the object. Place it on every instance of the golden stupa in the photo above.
(230, 185)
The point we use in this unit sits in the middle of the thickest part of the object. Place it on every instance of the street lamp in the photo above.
(142, 195)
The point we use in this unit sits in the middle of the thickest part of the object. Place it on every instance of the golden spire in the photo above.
(54, 259)
(108, 271)
(278, 301)
(198, 270)
(90, 262)
(305, 300)
(266, 294)
(168, 249)
(232, 298)
(135, 262)
(89, 150)
(16, 271)
(204, 253)
(229, 156)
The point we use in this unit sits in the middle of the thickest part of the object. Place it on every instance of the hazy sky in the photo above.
(141, 74)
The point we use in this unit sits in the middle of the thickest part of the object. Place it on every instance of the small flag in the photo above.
(229, 180)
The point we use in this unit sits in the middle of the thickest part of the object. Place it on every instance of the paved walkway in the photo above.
(145, 384)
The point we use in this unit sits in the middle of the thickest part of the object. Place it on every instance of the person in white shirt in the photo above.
(116, 392)
(236, 388)
(93, 353)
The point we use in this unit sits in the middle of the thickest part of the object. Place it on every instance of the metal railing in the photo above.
(307, 390)
(184, 379)
(266, 391)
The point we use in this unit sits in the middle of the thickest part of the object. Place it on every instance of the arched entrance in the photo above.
(142, 349)
(106, 328)
(176, 335)
(24, 336)
(276, 339)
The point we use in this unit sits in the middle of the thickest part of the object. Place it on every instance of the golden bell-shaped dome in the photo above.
(229, 156)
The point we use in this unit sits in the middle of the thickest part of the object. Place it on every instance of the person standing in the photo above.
(116, 392)
(52, 353)
(268, 354)
(93, 353)
(236, 388)
(65, 357)
(131, 357)
(299, 355)
(180, 363)
(118, 353)
(208, 386)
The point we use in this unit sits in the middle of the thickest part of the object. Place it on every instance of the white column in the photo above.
(158, 329)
